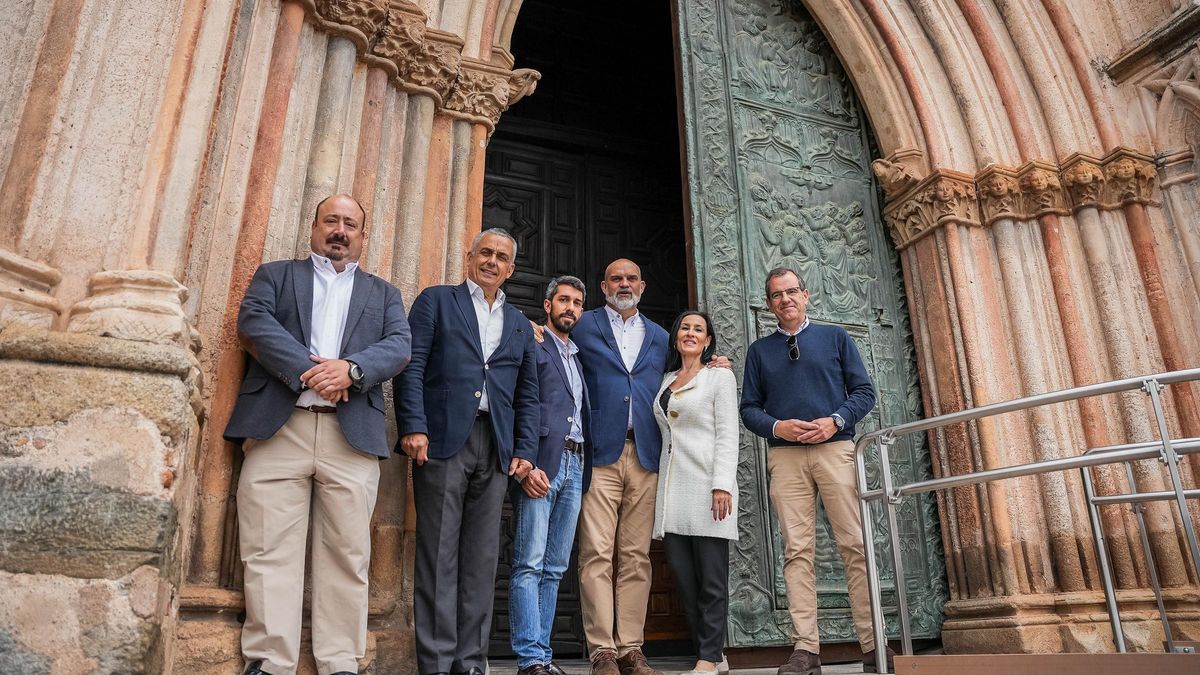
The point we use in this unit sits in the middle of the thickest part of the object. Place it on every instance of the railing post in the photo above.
(1139, 510)
(1110, 593)
(1154, 388)
(878, 623)
(891, 502)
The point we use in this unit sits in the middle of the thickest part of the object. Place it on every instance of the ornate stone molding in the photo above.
(1121, 177)
(141, 305)
(1022, 193)
(944, 197)
(899, 171)
(480, 93)
(400, 40)
(26, 288)
(357, 20)
(435, 69)
(1177, 168)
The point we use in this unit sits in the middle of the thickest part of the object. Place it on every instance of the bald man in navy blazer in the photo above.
(467, 407)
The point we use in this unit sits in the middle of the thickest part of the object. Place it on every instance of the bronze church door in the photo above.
(778, 164)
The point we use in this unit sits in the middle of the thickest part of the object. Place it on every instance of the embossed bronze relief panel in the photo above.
(778, 161)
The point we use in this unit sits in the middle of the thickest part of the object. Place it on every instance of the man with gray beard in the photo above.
(623, 355)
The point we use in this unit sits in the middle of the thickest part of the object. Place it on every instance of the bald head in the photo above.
(623, 286)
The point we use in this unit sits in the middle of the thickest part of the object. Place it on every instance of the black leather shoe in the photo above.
(344, 672)
(255, 668)
(473, 671)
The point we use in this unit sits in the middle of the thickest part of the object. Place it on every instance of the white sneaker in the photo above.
(723, 666)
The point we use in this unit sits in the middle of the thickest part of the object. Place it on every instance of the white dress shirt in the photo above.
(491, 326)
(567, 351)
(330, 304)
(629, 335)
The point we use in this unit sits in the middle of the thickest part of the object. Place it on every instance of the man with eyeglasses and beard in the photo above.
(805, 388)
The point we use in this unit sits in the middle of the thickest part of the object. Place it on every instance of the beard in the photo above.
(623, 303)
(561, 325)
(337, 254)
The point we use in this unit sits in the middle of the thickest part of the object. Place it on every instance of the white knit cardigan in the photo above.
(699, 455)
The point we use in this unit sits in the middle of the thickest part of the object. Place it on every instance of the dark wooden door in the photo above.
(573, 212)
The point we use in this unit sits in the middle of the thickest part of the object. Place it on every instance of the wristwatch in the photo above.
(837, 419)
(356, 375)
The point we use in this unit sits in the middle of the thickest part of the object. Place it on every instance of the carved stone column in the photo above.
(27, 292)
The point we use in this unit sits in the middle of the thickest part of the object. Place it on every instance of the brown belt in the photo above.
(574, 446)
(629, 435)
(319, 409)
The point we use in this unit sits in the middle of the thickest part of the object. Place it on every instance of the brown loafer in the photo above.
(634, 663)
(605, 663)
(801, 662)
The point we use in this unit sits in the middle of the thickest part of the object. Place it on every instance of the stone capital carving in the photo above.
(999, 194)
(522, 83)
(1129, 178)
(141, 305)
(401, 38)
(480, 93)
(900, 171)
(435, 69)
(1019, 193)
(356, 20)
(944, 197)
(1041, 190)
(26, 288)
(1083, 177)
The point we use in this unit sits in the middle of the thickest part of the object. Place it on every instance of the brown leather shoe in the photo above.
(871, 663)
(634, 663)
(605, 663)
(801, 662)
(535, 669)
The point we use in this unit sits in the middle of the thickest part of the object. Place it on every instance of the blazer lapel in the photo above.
(605, 325)
(462, 297)
(551, 348)
(646, 342)
(302, 288)
(510, 325)
(358, 300)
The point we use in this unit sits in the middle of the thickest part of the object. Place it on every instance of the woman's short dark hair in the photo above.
(674, 359)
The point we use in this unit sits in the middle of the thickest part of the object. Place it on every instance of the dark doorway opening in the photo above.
(585, 171)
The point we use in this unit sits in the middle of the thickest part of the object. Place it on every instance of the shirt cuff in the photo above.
(773, 429)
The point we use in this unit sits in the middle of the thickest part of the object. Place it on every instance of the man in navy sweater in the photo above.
(805, 388)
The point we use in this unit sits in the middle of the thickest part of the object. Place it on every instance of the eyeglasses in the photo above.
(793, 292)
(793, 348)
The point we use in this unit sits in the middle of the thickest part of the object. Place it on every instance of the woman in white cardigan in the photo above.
(696, 510)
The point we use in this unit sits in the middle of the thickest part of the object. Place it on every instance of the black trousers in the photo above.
(701, 569)
(458, 502)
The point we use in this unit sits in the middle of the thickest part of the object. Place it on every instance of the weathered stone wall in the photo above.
(93, 435)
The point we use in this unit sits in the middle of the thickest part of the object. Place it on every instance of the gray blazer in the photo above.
(274, 322)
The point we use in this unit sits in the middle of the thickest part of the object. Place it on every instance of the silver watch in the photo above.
(356, 373)
(837, 419)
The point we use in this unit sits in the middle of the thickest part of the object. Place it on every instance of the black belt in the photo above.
(629, 435)
(319, 409)
(574, 447)
(482, 415)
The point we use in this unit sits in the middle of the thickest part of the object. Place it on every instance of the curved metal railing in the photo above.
(1165, 449)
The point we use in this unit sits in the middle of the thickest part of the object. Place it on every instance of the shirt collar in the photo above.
(477, 291)
(568, 346)
(324, 264)
(798, 330)
(614, 315)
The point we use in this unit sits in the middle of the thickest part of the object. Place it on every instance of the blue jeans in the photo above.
(541, 551)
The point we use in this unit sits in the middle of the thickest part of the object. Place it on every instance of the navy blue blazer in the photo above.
(612, 389)
(438, 394)
(558, 407)
(274, 322)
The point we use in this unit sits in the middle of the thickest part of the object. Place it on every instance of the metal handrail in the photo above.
(1166, 449)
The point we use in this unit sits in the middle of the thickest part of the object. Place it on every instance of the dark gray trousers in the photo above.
(701, 569)
(458, 502)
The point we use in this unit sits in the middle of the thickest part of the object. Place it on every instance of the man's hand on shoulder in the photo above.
(720, 362)
(416, 446)
(539, 331)
(823, 429)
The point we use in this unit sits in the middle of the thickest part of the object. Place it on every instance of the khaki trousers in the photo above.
(306, 467)
(615, 525)
(798, 473)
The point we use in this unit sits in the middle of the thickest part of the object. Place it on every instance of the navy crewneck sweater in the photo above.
(828, 378)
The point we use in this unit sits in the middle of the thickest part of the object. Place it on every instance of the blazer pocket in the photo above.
(252, 384)
(375, 398)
